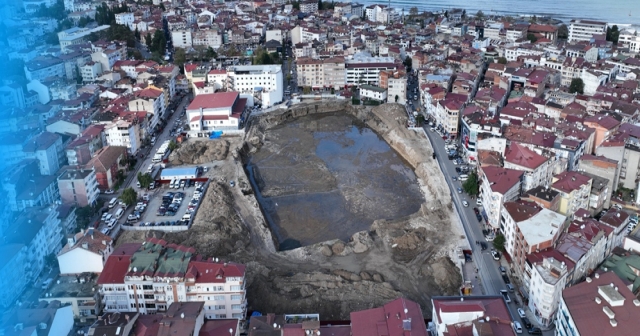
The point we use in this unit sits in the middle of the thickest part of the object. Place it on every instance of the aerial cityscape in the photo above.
(289, 168)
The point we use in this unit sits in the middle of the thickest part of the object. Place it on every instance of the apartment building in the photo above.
(499, 185)
(617, 220)
(536, 168)
(152, 101)
(301, 34)
(365, 69)
(373, 93)
(78, 186)
(150, 277)
(309, 6)
(106, 163)
(265, 82)
(574, 189)
(85, 251)
(447, 113)
(47, 148)
(583, 30)
(44, 67)
(77, 35)
(90, 71)
(321, 73)
(12, 278)
(182, 38)
(397, 87)
(548, 279)
(601, 305)
(125, 19)
(528, 228)
(123, 133)
(207, 38)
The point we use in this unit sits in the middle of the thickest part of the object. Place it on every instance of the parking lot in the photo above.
(166, 207)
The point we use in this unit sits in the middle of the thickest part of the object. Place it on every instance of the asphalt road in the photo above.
(141, 165)
(490, 276)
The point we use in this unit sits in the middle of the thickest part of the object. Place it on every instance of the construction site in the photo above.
(335, 208)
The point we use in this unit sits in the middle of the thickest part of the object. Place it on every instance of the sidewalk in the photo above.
(470, 274)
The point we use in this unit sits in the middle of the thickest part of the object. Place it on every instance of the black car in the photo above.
(505, 278)
(483, 246)
(527, 323)
(479, 218)
(534, 331)
(476, 211)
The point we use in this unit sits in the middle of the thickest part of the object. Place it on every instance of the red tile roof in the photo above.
(570, 181)
(212, 272)
(213, 101)
(501, 180)
(588, 315)
(523, 156)
(388, 320)
(118, 264)
(494, 308)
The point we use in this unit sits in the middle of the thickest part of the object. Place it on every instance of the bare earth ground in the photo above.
(408, 257)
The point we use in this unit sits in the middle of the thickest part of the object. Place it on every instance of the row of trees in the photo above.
(261, 56)
(106, 15)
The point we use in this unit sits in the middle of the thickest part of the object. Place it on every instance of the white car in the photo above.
(479, 201)
(465, 203)
(109, 191)
(521, 313)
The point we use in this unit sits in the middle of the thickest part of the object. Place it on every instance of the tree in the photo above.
(563, 31)
(148, 39)
(83, 216)
(613, 34)
(320, 5)
(211, 53)
(52, 38)
(84, 21)
(56, 11)
(172, 145)
(407, 63)
(397, 97)
(129, 196)
(413, 11)
(136, 33)
(498, 242)
(145, 180)
(577, 86)
(502, 60)
(479, 15)
(180, 57)
(532, 38)
(470, 186)
(306, 90)
(162, 7)
(533, 19)
(50, 260)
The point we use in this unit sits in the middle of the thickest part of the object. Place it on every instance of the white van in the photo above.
(113, 202)
(119, 213)
(517, 327)
(463, 177)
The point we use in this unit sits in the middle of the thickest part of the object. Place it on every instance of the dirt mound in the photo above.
(216, 231)
(200, 151)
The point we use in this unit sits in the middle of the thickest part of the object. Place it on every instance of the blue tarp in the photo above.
(215, 135)
(256, 313)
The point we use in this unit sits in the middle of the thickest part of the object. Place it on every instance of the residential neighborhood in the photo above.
(135, 203)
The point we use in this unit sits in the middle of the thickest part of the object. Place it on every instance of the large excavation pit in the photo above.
(323, 177)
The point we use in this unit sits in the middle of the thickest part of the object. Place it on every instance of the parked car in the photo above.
(479, 201)
(465, 203)
(483, 246)
(510, 287)
(535, 331)
(527, 323)
(521, 313)
(517, 327)
(502, 270)
(477, 212)
(109, 191)
(495, 254)
(479, 217)
(505, 278)
(459, 190)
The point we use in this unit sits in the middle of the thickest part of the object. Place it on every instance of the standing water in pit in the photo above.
(324, 177)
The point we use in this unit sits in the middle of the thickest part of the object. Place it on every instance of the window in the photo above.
(236, 297)
(236, 307)
(218, 298)
(236, 288)
(219, 307)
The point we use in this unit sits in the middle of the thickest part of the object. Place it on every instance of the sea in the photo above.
(624, 12)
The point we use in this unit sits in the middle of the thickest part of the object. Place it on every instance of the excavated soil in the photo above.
(328, 176)
(413, 256)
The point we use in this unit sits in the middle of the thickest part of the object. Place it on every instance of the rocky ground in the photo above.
(409, 257)
(198, 151)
